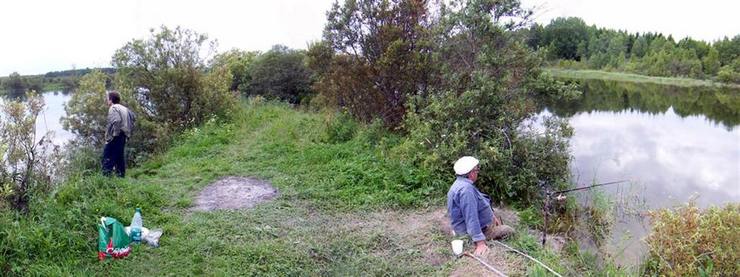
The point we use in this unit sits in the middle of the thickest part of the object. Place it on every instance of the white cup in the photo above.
(457, 246)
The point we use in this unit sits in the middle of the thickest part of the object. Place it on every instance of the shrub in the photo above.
(165, 81)
(513, 161)
(166, 74)
(687, 241)
(728, 75)
(340, 127)
(26, 161)
(280, 74)
(239, 63)
(87, 109)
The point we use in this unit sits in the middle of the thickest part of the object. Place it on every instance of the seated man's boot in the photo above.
(498, 232)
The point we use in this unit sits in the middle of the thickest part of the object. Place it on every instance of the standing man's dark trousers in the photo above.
(113, 156)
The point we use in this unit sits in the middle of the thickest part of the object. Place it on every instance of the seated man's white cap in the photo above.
(465, 165)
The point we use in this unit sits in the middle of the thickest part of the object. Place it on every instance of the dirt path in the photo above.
(426, 232)
(233, 193)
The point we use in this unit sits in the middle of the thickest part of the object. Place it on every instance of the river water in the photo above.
(49, 120)
(672, 144)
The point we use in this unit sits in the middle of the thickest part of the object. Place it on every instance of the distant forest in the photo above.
(570, 42)
(566, 42)
(16, 85)
(78, 72)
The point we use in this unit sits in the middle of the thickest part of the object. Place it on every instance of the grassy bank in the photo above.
(345, 209)
(629, 77)
(332, 216)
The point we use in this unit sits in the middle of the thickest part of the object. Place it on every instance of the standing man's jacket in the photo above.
(120, 120)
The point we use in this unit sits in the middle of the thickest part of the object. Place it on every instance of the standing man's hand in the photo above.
(480, 248)
(496, 221)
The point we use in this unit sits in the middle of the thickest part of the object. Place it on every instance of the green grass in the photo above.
(328, 220)
(346, 208)
(629, 77)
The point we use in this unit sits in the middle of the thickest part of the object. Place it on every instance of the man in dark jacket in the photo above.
(119, 127)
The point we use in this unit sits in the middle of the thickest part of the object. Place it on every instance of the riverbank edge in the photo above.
(588, 74)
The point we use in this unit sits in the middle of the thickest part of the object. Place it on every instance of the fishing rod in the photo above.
(560, 197)
(588, 187)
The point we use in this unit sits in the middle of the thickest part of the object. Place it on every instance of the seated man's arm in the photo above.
(469, 207)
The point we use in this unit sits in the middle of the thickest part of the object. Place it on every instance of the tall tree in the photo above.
(380, 55)
(711, 62)
(640, 47)
(564, 35)
(238, 62)
(729, 49)
(15, 85)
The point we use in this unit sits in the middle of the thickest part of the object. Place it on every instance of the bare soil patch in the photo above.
(233, 193)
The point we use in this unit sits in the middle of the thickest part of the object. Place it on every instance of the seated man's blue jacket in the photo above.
(469, 209)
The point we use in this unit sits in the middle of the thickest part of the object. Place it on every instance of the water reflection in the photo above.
(674, 144)
(719, 105)
(674, 157)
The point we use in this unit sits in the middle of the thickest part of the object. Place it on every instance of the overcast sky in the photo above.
(48, 35)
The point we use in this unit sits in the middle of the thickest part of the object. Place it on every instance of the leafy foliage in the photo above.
(375, 54)
(239, 63)
(16, 85)
(564, 36)
(457, 82)
(687, 241)
(87, 109)
(489, 80)
(26, 161)
(281, 74)
(166, 74)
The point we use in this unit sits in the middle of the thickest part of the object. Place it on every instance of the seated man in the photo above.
(470, 210)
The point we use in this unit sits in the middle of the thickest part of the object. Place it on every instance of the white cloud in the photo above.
(46, 35)
(673, 156)
(41, 36)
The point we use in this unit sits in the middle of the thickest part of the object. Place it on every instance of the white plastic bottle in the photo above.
(136, 224)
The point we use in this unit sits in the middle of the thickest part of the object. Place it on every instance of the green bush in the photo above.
(280, 74)
(687, 241)
(728, 75)
(87, 109)
(340, 127)
(239, 63)
(514, 161)
(27, 161)
(166, 96)
(168, 77)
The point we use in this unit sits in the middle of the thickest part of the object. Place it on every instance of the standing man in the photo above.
(470, 210)
(119, 127)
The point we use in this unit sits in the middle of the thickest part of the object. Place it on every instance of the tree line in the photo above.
(579, 45)
(16, 85)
